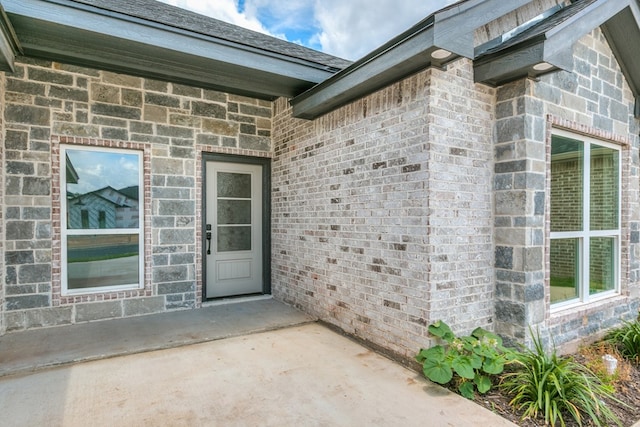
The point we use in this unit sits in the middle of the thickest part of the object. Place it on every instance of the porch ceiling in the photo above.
(551, 41)
(94, 34)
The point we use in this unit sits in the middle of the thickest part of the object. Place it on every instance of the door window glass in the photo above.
(233, 212)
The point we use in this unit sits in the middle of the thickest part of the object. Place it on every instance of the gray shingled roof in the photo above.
(162, 13)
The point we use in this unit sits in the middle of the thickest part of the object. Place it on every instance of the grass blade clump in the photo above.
(553, 387)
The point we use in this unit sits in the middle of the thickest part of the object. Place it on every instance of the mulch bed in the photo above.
(626, 384)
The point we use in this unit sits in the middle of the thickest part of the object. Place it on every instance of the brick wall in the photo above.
(382, 213)
(593, 100)
(49, 103)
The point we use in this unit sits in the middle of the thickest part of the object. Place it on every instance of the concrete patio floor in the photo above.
(266, 365)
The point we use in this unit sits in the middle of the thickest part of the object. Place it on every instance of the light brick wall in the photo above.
(382, 212)
(595, 100)
(49, 103)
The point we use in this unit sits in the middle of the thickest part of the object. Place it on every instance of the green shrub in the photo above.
(627, 339)
(472, 358)
(552, 386)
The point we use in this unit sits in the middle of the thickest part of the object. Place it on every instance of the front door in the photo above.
(234, 216)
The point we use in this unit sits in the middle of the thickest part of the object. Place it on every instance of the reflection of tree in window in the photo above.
(84, 215)
(102, 219)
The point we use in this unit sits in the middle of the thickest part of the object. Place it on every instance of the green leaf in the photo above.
(493, 366)
(436, 353)
(441, 330)
(437, 371)
(483, 383)
(476, 361)
(479, 332)
(462, 366)
(466, 389)
(422, 355)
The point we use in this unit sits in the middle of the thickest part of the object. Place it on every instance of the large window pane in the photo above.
(102, 189)
(602, 264)
(102, 260)
(102, 216)
(566, 184)
(604, 188)
(585, 218)
(564, 269)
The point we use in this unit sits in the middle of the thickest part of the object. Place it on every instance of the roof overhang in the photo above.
(85, 35)
(438, 39)
(9, 45)
(552, 49)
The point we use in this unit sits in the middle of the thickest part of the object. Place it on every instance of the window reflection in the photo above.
(102, 260)
(102, 189)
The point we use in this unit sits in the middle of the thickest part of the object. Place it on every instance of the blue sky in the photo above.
(345, 28)
(98, 169)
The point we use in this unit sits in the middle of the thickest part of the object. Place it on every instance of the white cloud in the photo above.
(224, 10)
(351, 29)
(346, 28)
(99, 169)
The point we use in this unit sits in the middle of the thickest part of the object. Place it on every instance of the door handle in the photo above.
(208, 239)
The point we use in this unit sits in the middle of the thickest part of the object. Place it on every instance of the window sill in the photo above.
(573, 310)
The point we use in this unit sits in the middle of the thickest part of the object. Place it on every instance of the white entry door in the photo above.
(234, 218)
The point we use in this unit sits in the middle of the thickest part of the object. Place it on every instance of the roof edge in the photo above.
(368, 73)
(9, 44)
(619, 20)
(449, 31)
(15, 6)
(89, 36)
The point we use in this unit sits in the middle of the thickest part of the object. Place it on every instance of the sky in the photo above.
(98, 169)
(348, 29)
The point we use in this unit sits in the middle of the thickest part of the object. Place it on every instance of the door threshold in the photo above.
(234, 300)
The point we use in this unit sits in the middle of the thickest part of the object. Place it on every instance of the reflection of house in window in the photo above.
(104, 208)
(84, 215)
(71, 174)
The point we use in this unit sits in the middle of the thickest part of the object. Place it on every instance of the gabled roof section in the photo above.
(438, 39)
(547, 46)
(151, 39)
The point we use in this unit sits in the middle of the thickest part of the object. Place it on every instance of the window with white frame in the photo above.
(102, 224)
(585, 219)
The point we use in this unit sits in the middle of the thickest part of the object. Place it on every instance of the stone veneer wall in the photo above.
(382, 211)
(47, 103)
(2, 291)
(594, 100)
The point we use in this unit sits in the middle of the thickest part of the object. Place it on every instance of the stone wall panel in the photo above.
(46, 103)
